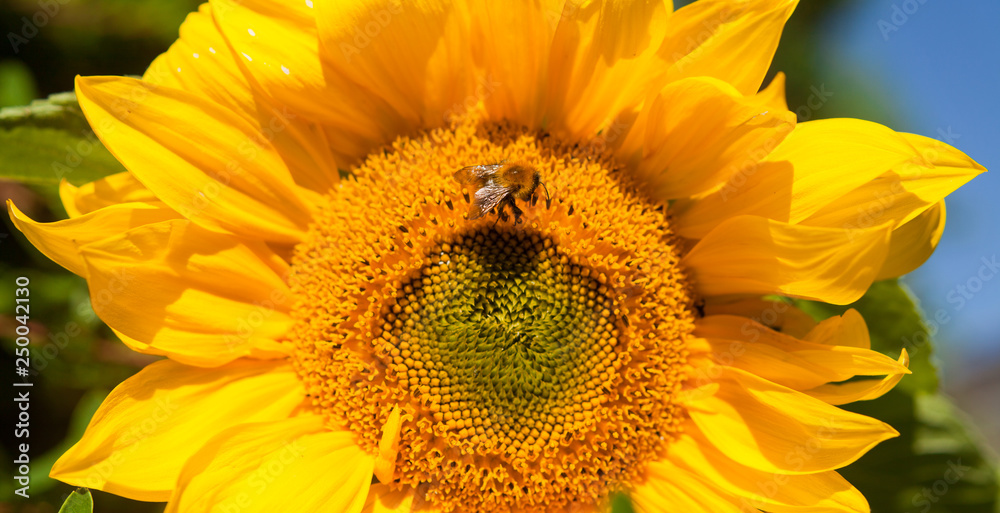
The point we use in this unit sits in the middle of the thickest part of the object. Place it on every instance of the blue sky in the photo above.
(939, 64)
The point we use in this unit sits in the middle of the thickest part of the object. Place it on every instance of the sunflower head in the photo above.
(534, 364)
(366, 304)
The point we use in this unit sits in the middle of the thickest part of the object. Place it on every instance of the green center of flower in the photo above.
(503, 338)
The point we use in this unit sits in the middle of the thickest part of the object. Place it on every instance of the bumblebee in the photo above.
(499, 185)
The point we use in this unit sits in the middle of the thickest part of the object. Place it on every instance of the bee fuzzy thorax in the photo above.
(496, 186)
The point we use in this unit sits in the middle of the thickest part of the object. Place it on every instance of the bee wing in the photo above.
(487, 198)
(476, 175)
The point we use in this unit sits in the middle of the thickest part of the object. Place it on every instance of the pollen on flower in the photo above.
(535, 365)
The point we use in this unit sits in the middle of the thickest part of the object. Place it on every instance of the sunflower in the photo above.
(342, 333)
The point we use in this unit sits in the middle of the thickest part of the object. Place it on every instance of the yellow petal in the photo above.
(816, 165)
(414, 56)
(202, 297)
(279, 48)
(272, 466)
(602, 66)
(316, 121)
(275, 46)
(513, 85)
(860, 390)
(699, 131)
(388, 447)
(201, 62)
(848, 329)
(738, 327)
(904, 192)
(788, 361)
(757, 490)
(383, 499)
(668, 489)
(777, 315)
(61, 241)
(135, 345)
(776, 429)
(803, 367)
(774, 93)
(201, 159)
(914, 242)
(148, 427)
(731, 41)
(110, 190)
(749, 254)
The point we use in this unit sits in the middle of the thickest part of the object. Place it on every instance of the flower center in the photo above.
(504, 340)
(535, 365)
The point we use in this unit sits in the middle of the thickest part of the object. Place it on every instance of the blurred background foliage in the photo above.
(78, 360)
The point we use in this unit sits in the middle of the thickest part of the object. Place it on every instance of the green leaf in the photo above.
(49, 140)
(79, 501)
(938, 463)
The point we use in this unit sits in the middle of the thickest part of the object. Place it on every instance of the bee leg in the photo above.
(517, 212)
(501, 215)
(509, 200)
